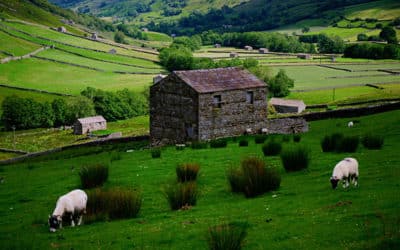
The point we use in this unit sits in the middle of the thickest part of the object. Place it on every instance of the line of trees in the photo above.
(372, 51)
(27, 113)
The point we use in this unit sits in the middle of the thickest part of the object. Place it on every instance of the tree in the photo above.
(362, 37)
(79, 107)
(280, 84)
(305, 29)
(328, 44)
(388, 34)
(176, 59)
(119, 37)
(60, 109)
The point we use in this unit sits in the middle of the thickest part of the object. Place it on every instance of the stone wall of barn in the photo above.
(235, 114)
(173, 112)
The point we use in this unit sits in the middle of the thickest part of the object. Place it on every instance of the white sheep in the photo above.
(350, 124)
(70, 206)
(346, 170)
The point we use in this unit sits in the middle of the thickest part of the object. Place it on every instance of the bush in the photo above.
(93, 175)
(218, 143)
(199, 145)
(253, 177)
(115, 203)
(348, 144)
(295, 158)
(271, 148)
(227, 236)
(243, 143)
(285, 138)
(260, 139)
(371, 141)
(330, 142)
(181, 195)
(187, 172)
(296, 137)
(155, 153)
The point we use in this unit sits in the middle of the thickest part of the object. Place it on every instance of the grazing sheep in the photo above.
(70, 206)
(350, 124)
(346, 170)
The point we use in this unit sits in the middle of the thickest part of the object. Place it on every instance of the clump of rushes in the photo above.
(243, 143)
(260, 139)
(253, 178)
(372, 141)
(115, 203)
(218, 143)
(271, 147)
(155, 153)
(187, 172)
(181, 195)
(295, 158)
(227, 236)
(93, 175)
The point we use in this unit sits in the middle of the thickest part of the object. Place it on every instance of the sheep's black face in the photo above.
(334, 183)
(54, 223)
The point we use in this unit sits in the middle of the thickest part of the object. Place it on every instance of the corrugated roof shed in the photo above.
(220, 79)
(91, 119)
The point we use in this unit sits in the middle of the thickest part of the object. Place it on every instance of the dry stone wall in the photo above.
(287, 126)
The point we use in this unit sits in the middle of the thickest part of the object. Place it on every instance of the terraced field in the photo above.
(316, 77)
(60, 78)
(14, 46)
(53, 35)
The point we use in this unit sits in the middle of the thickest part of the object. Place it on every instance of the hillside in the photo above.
(304, 213)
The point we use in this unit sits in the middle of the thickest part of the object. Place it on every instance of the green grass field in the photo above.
(15, 46)
(4, 92)
(304, 213)
(77, 41)
(347, 95)
(55, 77)
(105, 66)
(309, 77)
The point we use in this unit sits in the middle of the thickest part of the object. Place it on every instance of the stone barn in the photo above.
(198, 105)
(88, 124)
(287, 106)
(62, 29)
(263, 50)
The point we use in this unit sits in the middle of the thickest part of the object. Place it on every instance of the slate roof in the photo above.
(220, 79)
(286, 102)
(92, 119)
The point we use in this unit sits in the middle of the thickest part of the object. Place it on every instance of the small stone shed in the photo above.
(198, 105)
(88, 124)
(287, 106)
(112, 51)
(304, 56)
(233, 55)
(217, 45)
(62, 29)
(94, 36)
(247, 47)
(263, 50)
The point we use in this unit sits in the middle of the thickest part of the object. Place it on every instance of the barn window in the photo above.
(217, 101)
(250, 97)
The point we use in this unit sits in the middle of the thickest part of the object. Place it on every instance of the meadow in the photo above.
(304, 213)
(15, 46)
(77, 41)
(55, 77)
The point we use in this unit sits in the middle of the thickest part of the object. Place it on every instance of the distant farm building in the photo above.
(112, 51)
(233, 55)
(94, 36)
(217, 45)
(287, 106)
(304, 56)
(88, 124)
(158, 78)
(206, 104)
(263, 50)
(248, 48)
(62, 29)
(145, 29)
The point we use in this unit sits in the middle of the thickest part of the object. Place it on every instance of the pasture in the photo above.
(304, 213)
(15, 46)
(77, 41)
(56, 77)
